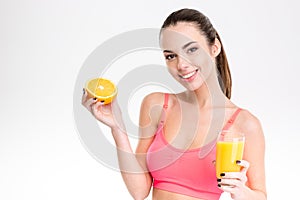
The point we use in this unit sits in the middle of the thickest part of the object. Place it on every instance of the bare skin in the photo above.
(182, 58)
(161, 194)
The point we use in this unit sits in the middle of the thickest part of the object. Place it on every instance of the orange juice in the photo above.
(227, 154)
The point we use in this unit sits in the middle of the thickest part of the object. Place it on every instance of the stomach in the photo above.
(166, 195)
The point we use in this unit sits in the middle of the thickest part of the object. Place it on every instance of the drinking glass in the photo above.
(230, 148)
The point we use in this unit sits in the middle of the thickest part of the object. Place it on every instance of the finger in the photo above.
(95, 107)
(231, 175)
(230, 182)
(106, 109)
(84, 96)
(245, 165)
(89, 103)
(235, 176)
(228, 188)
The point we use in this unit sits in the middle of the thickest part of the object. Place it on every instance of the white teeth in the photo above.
(189, 75)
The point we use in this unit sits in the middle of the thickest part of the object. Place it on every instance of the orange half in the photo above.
(102, 89)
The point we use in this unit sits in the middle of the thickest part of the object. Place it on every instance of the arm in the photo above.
(132, 166)
(137, 180)
(250, 182)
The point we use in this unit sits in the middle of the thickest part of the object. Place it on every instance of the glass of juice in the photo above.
(230, 148)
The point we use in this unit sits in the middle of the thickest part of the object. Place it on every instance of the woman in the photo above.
(176, 150)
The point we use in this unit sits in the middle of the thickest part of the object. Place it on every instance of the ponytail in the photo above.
(223, 68)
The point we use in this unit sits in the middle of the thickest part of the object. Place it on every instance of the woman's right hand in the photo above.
(109, 114)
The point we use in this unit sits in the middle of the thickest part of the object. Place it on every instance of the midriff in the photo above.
(166, 195)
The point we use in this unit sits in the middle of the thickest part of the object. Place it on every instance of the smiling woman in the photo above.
(181, 136)
(188, 48)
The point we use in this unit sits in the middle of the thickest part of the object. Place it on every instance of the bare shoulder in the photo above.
(149, 118)
(151, 109)
(155, 98)
(249, 124)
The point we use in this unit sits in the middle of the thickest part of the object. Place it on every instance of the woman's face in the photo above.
(189, 58)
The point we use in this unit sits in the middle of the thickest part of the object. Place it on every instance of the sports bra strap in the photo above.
(166, 101)
(232, 119)
(164, 111)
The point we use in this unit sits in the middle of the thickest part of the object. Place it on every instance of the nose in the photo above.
(182, 63)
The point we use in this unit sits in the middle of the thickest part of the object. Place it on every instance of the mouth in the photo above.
(190, 76)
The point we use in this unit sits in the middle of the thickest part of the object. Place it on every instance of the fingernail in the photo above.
(94, 98)
(238, 162)
(222, 174)
(219, 185)
(219, 180)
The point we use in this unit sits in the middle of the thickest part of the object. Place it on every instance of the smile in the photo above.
(189, 75)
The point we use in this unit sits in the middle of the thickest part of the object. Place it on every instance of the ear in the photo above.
(216, 48)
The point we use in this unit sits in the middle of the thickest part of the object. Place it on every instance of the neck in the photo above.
(209, 95)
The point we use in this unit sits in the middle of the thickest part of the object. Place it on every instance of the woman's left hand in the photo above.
(235, 182)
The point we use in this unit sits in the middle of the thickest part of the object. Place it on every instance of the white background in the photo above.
(43, 45)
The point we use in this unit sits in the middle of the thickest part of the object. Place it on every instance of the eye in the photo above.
(192, 50)
(170, 56)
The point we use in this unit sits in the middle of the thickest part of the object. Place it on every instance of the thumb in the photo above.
(105, 109)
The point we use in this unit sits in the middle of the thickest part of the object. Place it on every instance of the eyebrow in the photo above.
(183, 47)
(168, 51)
(188, 44)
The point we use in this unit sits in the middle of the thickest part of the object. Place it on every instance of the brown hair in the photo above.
(207, 29)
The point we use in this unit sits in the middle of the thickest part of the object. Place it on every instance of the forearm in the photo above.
(137, 180)
(254, 194)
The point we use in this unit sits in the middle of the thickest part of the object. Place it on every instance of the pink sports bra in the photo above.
(183, 171)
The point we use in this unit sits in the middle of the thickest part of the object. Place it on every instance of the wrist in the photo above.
(121, 139)
(118, 133)
(118, 130)
(250, 194)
